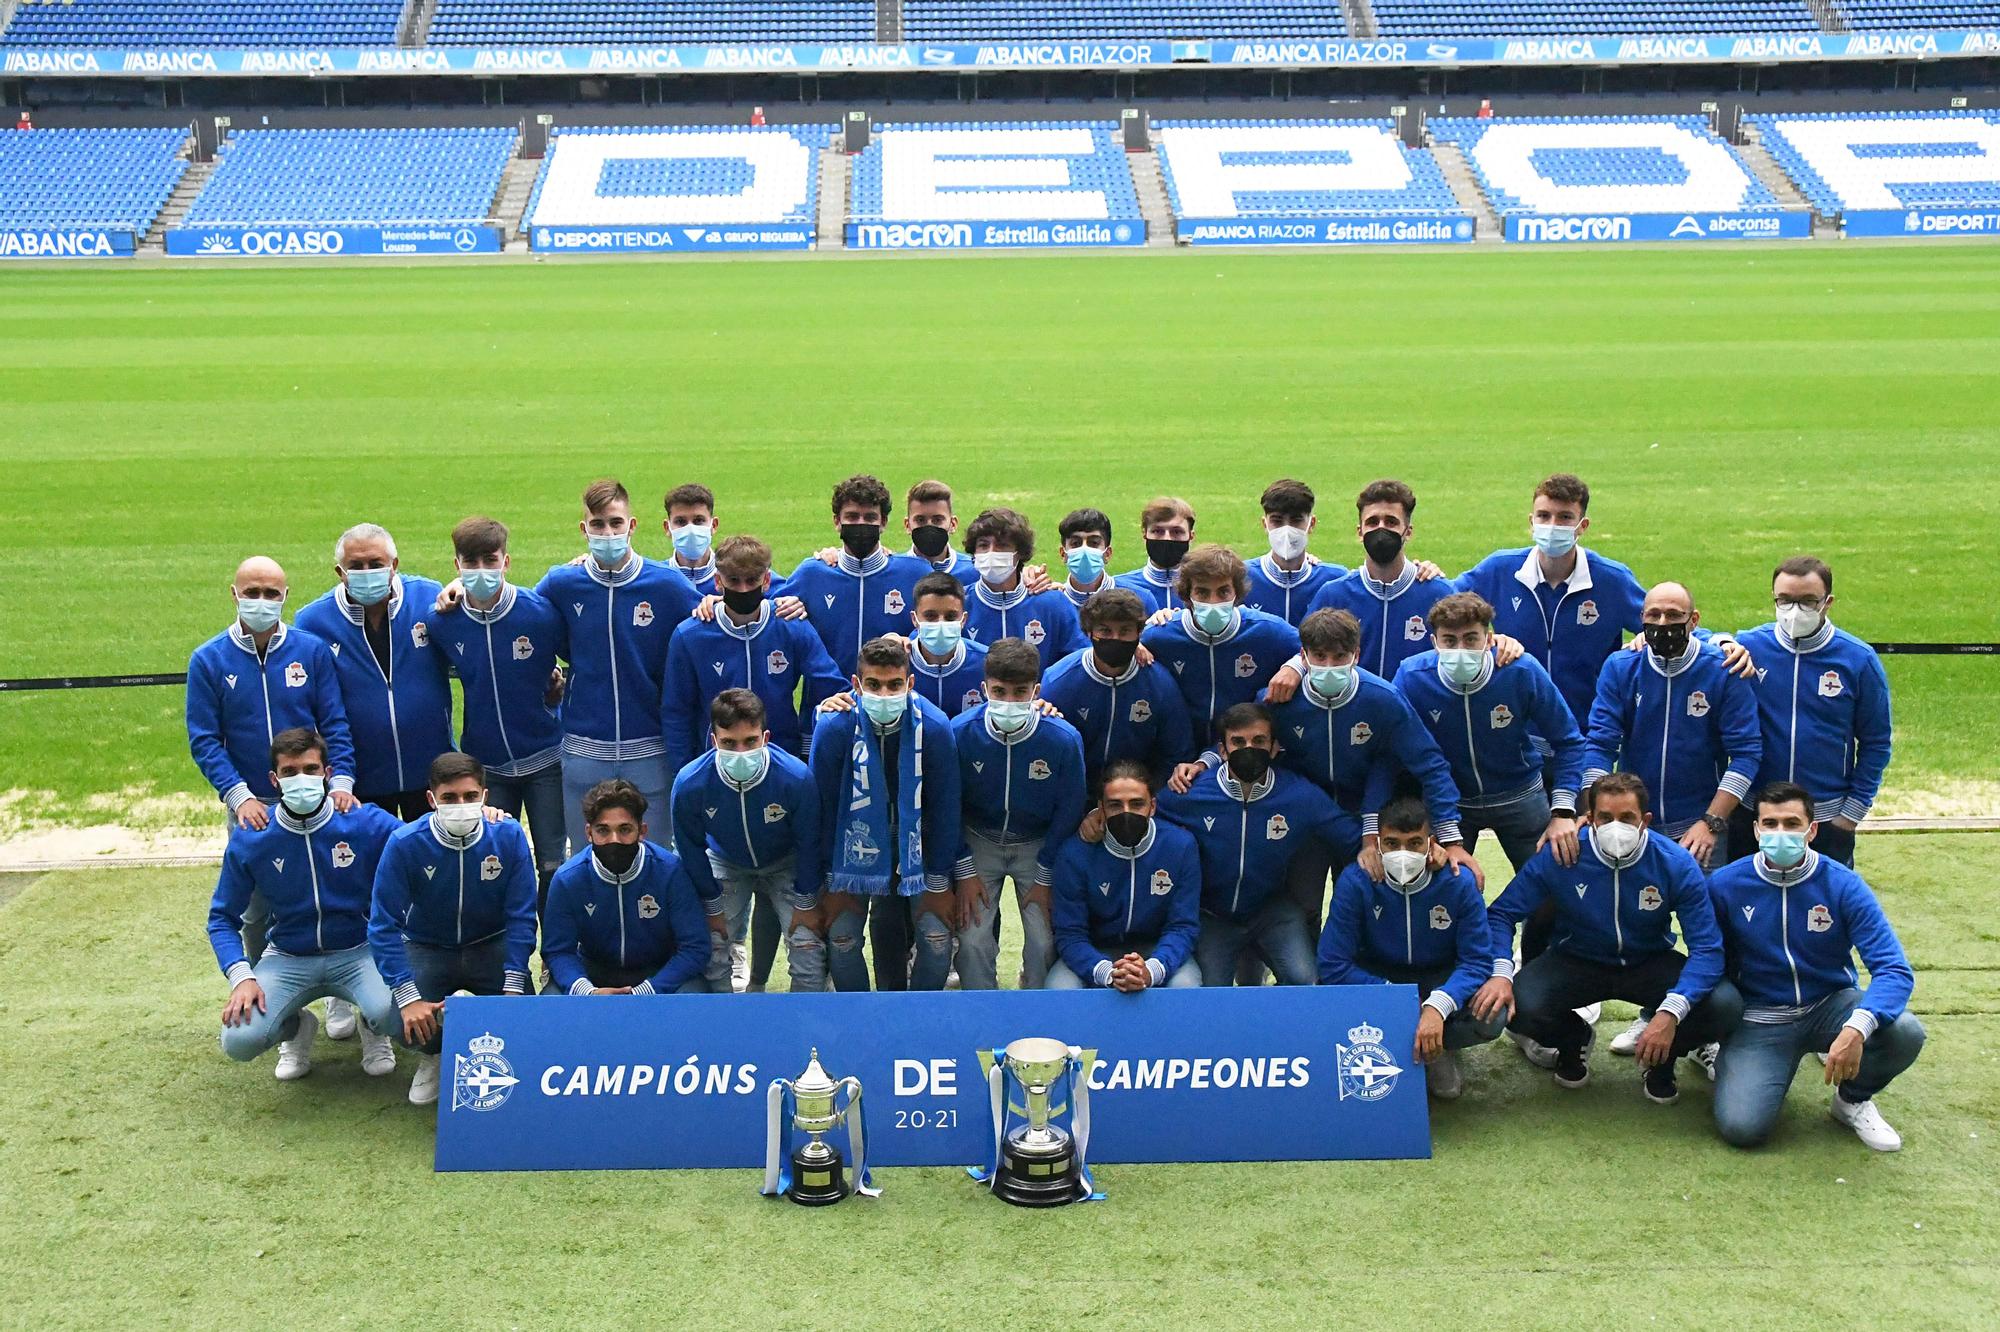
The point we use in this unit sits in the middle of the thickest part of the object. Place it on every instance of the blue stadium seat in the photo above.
(367, 177)
(651, 175)
(1061, 170)
(1203, 162)
(1588, 18)
(118, 179)
(1116, 20)
(594, 22)
(1631, 164)
(1888, 159)
(151, 23)
(1911, 15)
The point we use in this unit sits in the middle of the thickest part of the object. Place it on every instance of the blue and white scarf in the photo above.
(860, 864)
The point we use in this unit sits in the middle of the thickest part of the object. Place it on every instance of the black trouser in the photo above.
(765, 929)
(1549, 989)
(1831, 842)
(891, 932)
(405, 805)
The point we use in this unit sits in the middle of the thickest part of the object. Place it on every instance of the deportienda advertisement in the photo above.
(670, 239)
(1597, 228)
(66, 243)
(1038, 235)
(1404, 229)
(318, 242)
(1278, 1073)
(1969, 221)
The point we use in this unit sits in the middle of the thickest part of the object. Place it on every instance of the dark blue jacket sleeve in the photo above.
(204, 727)
(1890, 982)
(520, 899)
(1176, 944)
(1175, 736)
(386, 914)
(945, 858)
(680, 704)
(1417, 750)
(1871, 739)
(1068, 809)
(1742, 736)
(1555, 724)
(225, 912)
(1340, 941)
(822, 678)
(1606, 742)
(1069, 912)
(1528, 890)
(691, 940)
(809, 863)
(1475, 945)
(330, 715)
(562, 944)
(831, 742)
(691, 843)
(1695, 911)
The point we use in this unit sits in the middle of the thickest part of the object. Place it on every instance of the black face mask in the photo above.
(743, 603)
(1382, 545)
(1117, 653)
(1668, 640)
(1165, 554)
(1248, 766)
(616, 857)
(930, 542)
(861, 539)
(1126, 828)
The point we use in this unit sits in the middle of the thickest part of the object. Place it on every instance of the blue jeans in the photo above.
(979, 940)
(1461, 1028)
(541, 794)
(579, 774)
(1062, 978)
(805, 954)
(439, 973)
(1519, 824)
(1759, 1060)
(1276, 934)
(845, 961)
(290, 983)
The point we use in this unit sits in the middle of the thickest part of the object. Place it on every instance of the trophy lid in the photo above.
(814, 1079)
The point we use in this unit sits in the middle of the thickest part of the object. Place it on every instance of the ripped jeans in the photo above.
(805, 952)
(847, 919)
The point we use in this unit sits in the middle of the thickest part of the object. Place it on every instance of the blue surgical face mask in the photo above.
(1212, 617)
(257, 613)
(1553, 540)
(1086, 564)
(302, 792)
(1331, 681)
(482, 584)
(610, 549)
(743, 766)
(369, 587)
(691, 542)
(882, 709)
(1460, 665)
(1783, 849)
(1009, 718)
(940, 637)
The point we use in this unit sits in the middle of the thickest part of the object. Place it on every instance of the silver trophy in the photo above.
(1038, 1160)
(818, 1174)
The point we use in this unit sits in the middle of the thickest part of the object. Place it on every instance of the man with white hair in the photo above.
(393, 679)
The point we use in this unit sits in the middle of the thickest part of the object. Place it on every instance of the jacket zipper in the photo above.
(1617, 926)
(1785, 938)
(618, 891)
(319, 913)
(1409, 934)
(1111, 723)
(617, 705)
(1472, 747)
(1131, 893)
(499, 712)
(1242, 852)
(1666, 729)
(1006, 791)
(389, 681)
(743, 809)
(461, 897)
(1792, 740)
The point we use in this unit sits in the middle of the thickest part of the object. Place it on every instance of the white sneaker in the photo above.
(340, 1019)
(295, 1057)
(378, 1053)
(424, 1086)
(739, 968)
(1867, 1123)
(1541, 1056)
(1444, 1076)
(1627, 1041)
(1706, 1055)
(1590, 1013)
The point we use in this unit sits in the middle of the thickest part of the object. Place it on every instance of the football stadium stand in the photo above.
(587, 22)
(1279, 168)
(144, 23)
(1604, 164)
(659, 175)
(976, 171)
(1908, 15)
(1588, 18)
(117, 179)
(1901, 160)
(365, 176)
(1114, 20)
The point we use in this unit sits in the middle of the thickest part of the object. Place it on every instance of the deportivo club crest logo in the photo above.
(1413, 629)
(892, 604)
(1034, 633)
(1163, 883)
(1829, 685)
(1502, 716)
(1697, 704)
(1649, 898)
(1440, 918)
(420, 634)
(1038, 771)
(343, 855)
(1586, 612)
(1142, 712)
(973, 698)
(1246, 666)
(1361, 734)
(1275, 828)
(774, 813)
(295, 676)
(649, 907)
(524, 648)
(642, 614)
(1367, 1072)
(482, 1080)
(860, 848)
(489, 869)
(775, 663)
(1819, 920)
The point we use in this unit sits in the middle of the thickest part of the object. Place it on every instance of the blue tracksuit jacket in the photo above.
(1046, 620)
(1287, 594)
(400, 719)
(1687, 727)
(856, 600)
(1484, 731)
(1823, 705)
(236, 704)
(317, 877)
(955, 684)
(1025, 789)
(504, 658)
(1247, 845)
(832, 762)
(437, 891)
(1355, 747)
(768, 656)
(1572, 627)
(650, 919)
(1158, 588)
(1216, 674)
(1104, 904)
(619, 624)
(1372, 927)
(1138, 715)
(749, 827)
(1394, 615)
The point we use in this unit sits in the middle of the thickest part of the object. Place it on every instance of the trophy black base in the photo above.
(1039, 1179)
(817, 1182)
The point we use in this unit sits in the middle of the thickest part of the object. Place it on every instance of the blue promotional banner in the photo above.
(1381, 229)
(1053, 235)
(506, 61)
(1277, 1073)
(1921, 222)
(1571, 228)
(66, 243)
(313, 241)
(670, 238)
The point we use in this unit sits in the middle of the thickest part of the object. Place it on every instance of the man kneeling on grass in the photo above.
(314, 866)
(1420, 926)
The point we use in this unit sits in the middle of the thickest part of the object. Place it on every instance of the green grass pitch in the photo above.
(1729, 405)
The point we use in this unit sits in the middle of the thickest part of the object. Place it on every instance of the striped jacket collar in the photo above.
(623, 574)
(498, 610)
(356, 612)
(311, 823)
(1529, 575)
(876, 561)
(241, 637)
(638, 867)
(745, 632)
